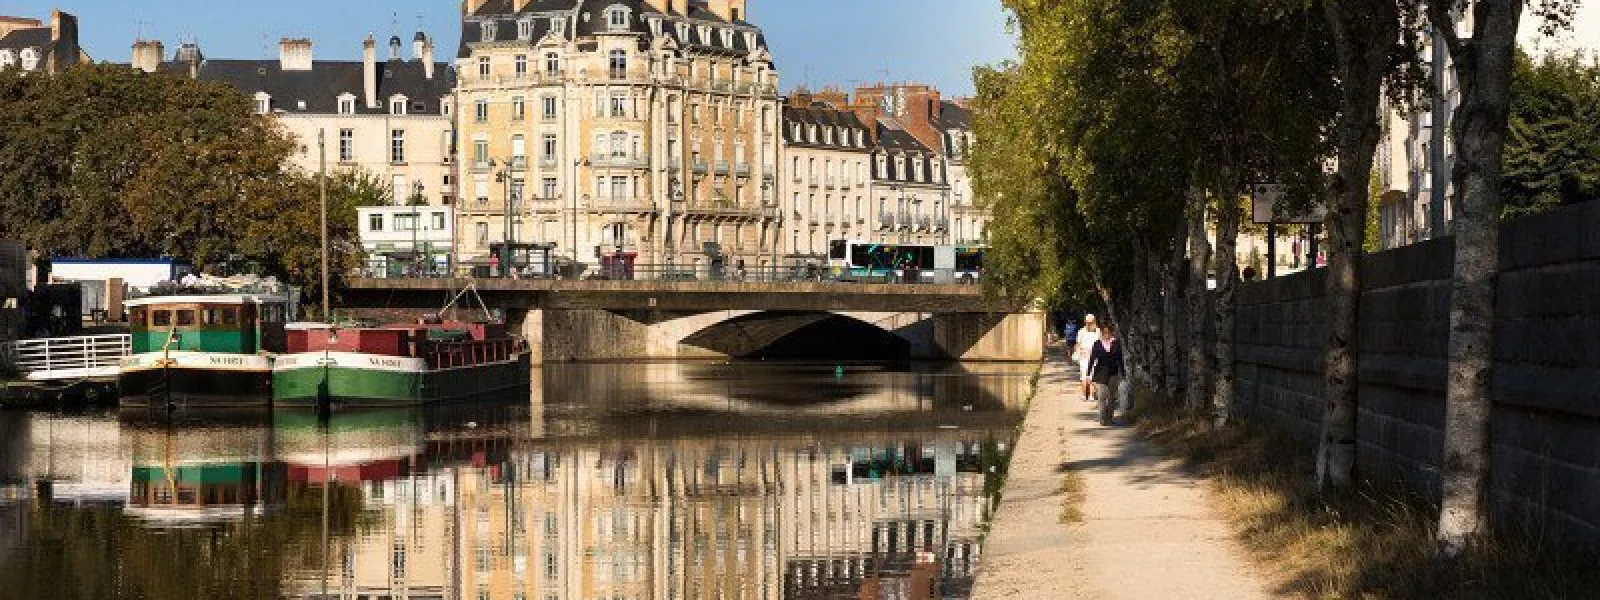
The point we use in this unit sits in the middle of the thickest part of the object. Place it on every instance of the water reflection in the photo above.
(616, 481)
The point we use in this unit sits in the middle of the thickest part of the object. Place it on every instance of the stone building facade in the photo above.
(389, 118)
(640, 131)
(827, 150)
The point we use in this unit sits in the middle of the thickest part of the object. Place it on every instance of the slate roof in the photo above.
(321, 86)
(823, 115)
(892, 137)
(954, 116)
(542, 11)
(32, 37)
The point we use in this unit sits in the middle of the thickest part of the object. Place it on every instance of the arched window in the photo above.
(619, 64)
(7, 59)
(30, 59)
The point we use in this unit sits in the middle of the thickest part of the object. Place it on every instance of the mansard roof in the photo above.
(587, 18)
(321, 86)
(821, 114)
(954, 116)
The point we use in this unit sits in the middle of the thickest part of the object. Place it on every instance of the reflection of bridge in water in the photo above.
(628, 320)
(625, 485)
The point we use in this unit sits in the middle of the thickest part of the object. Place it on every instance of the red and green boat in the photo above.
(397, 365)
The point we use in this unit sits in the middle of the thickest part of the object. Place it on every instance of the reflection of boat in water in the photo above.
(202, 349)
(200, 476)
(399, 365)
(359, 445)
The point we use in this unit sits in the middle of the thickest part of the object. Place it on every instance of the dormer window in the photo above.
(705, 34)
(683, 33)
(558, 26)
(263, 103)
(397, 105)
(7, 59)
(811, 134)
(750, 40)
(727, 38)
(525, 29)
(300, 105)
(655, 27)
(488, 29)
(347, 104)
(30, 59)
(827, 136)
(617, 18)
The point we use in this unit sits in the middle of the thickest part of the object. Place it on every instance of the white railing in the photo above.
(69, 357)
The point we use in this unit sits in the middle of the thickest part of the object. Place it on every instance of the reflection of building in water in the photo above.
(77, 460)
(754, 518)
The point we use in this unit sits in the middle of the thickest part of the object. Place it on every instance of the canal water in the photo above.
(615, 481)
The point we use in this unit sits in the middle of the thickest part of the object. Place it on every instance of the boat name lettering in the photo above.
(227, 360)
(386, 362)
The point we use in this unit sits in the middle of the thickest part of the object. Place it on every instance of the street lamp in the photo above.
(416, 223)
(504, 176)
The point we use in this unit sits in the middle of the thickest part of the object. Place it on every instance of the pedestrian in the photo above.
(1106, 370)
(1087, 336)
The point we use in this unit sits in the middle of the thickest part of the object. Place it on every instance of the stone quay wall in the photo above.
(1546, 421)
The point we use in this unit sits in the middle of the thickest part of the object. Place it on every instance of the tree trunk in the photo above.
(1364, 36)
(1223, 301)
(1197, 383)
(1483, 66)
(1172, 346)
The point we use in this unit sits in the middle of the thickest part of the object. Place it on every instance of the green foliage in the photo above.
(104, 161)
(1552, 153)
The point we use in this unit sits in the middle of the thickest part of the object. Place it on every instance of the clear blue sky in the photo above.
(814, 41)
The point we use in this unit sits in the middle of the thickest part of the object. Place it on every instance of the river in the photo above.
(614, 481)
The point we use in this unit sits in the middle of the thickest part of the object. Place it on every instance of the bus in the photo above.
(850, 260)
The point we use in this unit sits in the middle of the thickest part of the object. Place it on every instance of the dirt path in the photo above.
(1148, 531)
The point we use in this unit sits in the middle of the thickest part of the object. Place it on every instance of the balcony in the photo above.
(639, 204)
(829, 183)
(720, 167)
(941, 224)
(700, 166)
(924, 223)
(741, 169)
(519, 163)
(885, 222)
(548, 162)
(637, 161)
(728, 208)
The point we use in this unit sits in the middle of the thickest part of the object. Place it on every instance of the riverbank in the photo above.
(1095, 512)
(1374, 541)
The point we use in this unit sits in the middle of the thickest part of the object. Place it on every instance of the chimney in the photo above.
(728, 10)
(416, 45)
(394, 48)
(189, 53)
(64, 36)
(147, 55)
(834, 97)
(470, 7)
(427, 57)
(294, 54)
(369, 71)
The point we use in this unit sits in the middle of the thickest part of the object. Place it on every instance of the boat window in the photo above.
(230, 316)
(271, 313)
(185, 318)
(161, 318)
(208, 316)
(136, 316)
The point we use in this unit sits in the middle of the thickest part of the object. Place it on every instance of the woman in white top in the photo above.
(1087, 336)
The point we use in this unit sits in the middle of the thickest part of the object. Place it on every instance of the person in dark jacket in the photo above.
(1106, 370)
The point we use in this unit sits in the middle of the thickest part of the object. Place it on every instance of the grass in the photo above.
(1375, 541)
(1072, 495)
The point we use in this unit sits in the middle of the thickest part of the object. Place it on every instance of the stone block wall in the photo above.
(1546, 431)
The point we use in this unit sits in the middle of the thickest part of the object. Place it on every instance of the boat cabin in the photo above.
(443, 345)
(228, 323)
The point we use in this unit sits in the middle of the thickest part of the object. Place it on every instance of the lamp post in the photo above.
(416, 223)
(503, 176)
(674, 197)
(766, 203)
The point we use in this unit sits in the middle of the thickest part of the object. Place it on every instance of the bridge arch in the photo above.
(857, 335)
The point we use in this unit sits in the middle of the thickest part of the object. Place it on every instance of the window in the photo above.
(552, 63)
(619, 187)
(518, 108)
(483, 66)
(547, 150)
(347, 105)
(522, 66)
(230, 316)
(619, 106)
(483, 232)
(549, 108)
(525, 29)
(397, 105)
(480, 154)
(482, 111)
(619, 64)
(397, 146)
(375, 223)
(619, 145)
(549, 190)
(347, 145)
(7, 59)
(519, 151)
(488, 30)
(161, 318)
(185, 318)
(30, 59)
(617, 19)
(263, 102)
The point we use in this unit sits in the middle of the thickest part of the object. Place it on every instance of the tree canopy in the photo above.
(103, 161)
(1552, 153)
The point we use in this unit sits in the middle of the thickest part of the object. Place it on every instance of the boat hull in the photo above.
(195, 380)
(359, 379)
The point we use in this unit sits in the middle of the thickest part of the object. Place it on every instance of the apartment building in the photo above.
(629, 131)
(827, 150)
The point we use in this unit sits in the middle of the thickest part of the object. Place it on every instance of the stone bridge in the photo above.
(628, 320)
